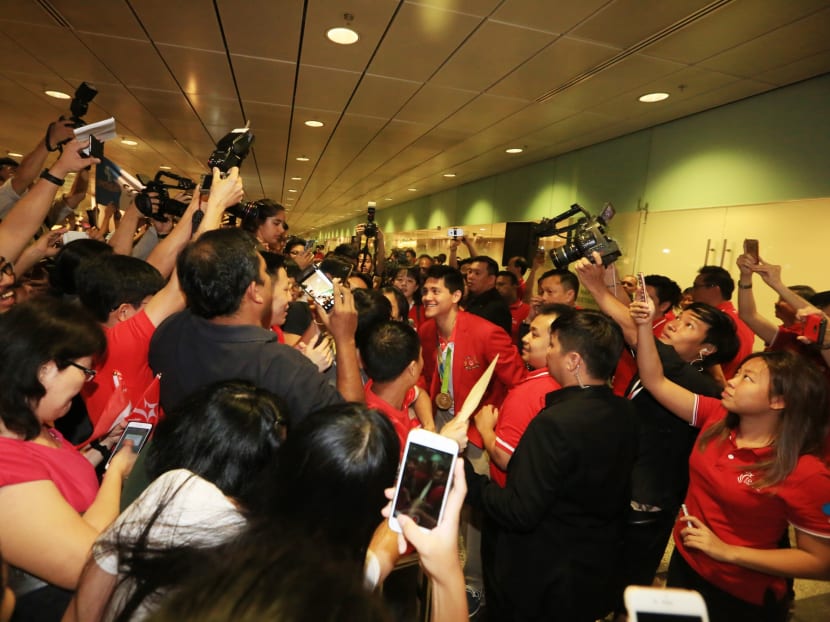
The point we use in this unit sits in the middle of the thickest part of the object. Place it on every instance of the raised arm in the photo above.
(28, 213)
(342, 324)
(121, 240)
(592, 276)
(747, 309)
(678, 400)
(771, 274)
(32, 163)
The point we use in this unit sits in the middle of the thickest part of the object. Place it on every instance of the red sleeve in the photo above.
(708, 410)
(807, 495)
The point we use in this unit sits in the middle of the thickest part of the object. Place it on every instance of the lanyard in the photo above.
(445, 368)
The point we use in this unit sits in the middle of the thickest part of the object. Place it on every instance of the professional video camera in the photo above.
(370, 229)
(583, 237)
(84, 94)
(164, 204)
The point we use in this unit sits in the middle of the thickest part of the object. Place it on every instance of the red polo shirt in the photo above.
(400, 419)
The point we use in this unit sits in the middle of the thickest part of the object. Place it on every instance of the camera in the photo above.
(79, 105)
(166, 205)
(370, 230)
(586, 236)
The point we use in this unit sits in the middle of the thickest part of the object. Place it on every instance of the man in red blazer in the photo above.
(457, 348)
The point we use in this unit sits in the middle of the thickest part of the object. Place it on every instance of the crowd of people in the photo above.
(279, 422)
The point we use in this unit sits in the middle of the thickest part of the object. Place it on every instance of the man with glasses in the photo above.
(714, 286)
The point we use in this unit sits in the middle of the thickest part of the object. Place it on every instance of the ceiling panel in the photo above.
(431, 86)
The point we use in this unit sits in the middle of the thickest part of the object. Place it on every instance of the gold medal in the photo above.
(443, 401)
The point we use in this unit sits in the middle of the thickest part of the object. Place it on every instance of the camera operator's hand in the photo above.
(769, 272)
(225, 191)
(71, 160)
(591, 275)
(745, 264)
(59, 133)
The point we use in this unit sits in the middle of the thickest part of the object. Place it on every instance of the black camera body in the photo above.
(583, 238)
(79, 105)
(370, 229)
(166, 205)
(231, 150)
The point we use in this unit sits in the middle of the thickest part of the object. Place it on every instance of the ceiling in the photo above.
(431, 87)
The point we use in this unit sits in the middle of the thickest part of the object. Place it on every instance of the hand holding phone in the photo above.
(424, 479)
(318, 286)
(642, 294)
(815, 327)
(137, 433)
(751, 249)
(653, 604)
(455, 232)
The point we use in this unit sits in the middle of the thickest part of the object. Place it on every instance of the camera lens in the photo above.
(564, 255)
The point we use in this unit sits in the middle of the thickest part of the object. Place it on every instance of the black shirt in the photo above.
(492, 307)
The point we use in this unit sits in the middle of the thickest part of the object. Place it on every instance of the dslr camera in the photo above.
(586, 236)
(79, 105)
(166, 205)
(370, 229)
(231, 150)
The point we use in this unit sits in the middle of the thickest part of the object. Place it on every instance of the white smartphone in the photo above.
(654, 604)
(137, 432)
(424, 479)
(318, 286)
(455, 232)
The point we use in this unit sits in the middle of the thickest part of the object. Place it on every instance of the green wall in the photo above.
(769, 148)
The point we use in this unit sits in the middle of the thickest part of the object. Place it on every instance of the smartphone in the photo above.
(318, 286)
(455, 232)
(137, 432)
(71, 236)
(751, 249)
(309, 245)
(815, 326)
(96, 147)
(642, 294)
(424, 479)
(654, 604)
(204, 185)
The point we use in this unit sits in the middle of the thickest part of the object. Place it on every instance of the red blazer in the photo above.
(477, 341)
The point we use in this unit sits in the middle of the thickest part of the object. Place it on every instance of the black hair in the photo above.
(720, 277)
(291, 580)
(331, 472)
(32, 334)
(257, 212)
(400, 299)
(665, 289)
(464, 262)
(721, 332)
(337, 267)
(453, 279)
(372, 307)
(216, 270)
(66, 262)
(367, 280)
(556, 308)
(514, 280)
(596, 337)
(519, 262)
(292, 242)
(273, 261)
(346, 252)
(292, 268)
(108, 281)
(388, 349)
(821, 299)
(226, 433)
(492, 264)
(805, 291)
(567, 278)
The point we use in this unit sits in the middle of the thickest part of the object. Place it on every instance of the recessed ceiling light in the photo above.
(313, 123)
(514, 150)
(128, 142)
(58, 94)
(449, 174)
(650, 98)
(14, 154)
(292, 190)
(296, 179)
(165, 167)
(412, 189)
(302, 159)
(342, 35)
(388, 199)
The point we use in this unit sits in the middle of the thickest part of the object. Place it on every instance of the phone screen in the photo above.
(667, 617)
(317, 285)
(96, 147)
(423, 484)
(751, 248)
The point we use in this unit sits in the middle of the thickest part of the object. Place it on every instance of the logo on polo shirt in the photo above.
(470, 363)
(746, 478)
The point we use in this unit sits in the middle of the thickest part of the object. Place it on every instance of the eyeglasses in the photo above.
(88, 373)
(6, 267)
(703, 285)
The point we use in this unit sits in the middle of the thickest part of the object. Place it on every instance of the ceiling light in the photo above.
(58, 94)
(165, 167)
(650, 98)
(313, 123)
(449, 174)
(514, 150)
(296, 179)
(302, 159)
(388, 199)
(342, 35)
(412, 189)
(128, 142)
(14, 154)
(292, 190)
